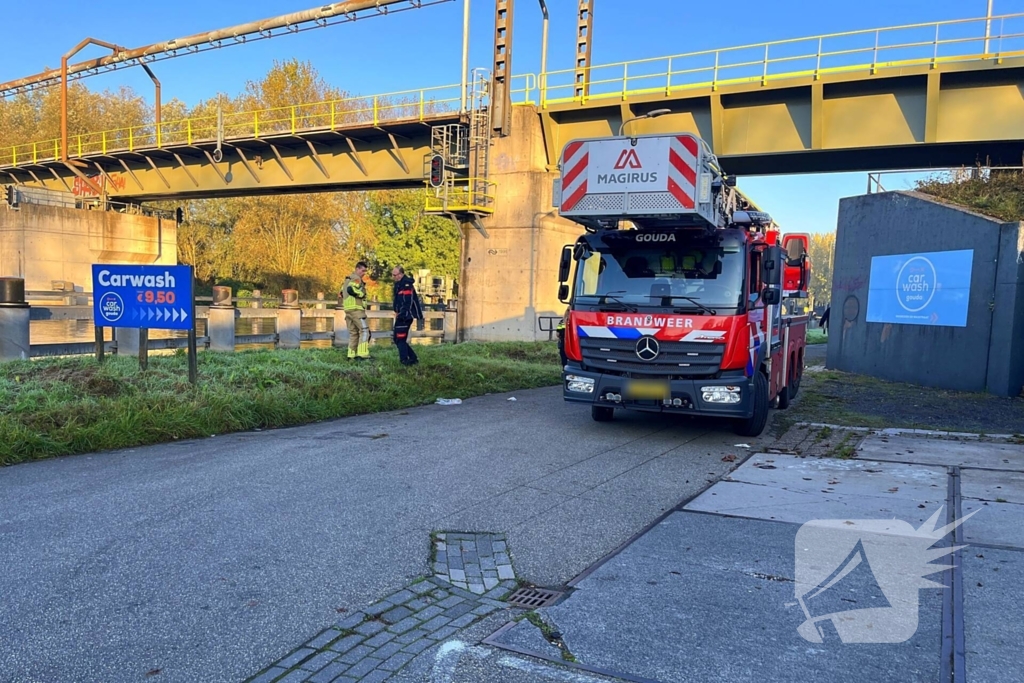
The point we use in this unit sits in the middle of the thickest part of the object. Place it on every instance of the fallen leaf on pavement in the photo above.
(729, 458)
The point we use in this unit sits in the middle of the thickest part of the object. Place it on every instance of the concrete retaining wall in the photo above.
(987, 354)
(46, 243)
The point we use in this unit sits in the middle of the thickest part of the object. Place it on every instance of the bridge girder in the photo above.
(939, 116)
(347, 158)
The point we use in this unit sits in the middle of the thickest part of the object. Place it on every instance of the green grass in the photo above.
(816, 336)
(1001, 195)
(59, 407)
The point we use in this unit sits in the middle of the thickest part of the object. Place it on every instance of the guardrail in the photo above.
(221, 329)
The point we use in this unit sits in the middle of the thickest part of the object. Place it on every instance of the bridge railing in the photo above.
(870, 50)
(408, 105)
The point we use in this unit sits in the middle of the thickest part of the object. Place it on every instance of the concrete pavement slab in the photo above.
(999, 486)
(995, 523)
(209, 559)
(949, 452)
(798, 489)
(993, 605)
(704, 598)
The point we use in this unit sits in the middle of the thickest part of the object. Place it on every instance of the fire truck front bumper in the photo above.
(722, 397)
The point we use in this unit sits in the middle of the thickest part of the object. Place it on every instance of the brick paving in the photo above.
(373, 644)
(473, 562)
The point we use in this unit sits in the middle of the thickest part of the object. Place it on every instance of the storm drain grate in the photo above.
(532, 598)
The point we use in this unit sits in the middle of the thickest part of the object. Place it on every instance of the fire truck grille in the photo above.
(618, 356)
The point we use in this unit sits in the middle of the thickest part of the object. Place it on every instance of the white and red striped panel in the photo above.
(683, 153)
(575, 159)
(682, 174)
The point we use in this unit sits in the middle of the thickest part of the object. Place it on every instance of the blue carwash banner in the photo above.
(154, 297)
(932, 288)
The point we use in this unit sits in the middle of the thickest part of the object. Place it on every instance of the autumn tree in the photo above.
(822, 253)
(408, 237)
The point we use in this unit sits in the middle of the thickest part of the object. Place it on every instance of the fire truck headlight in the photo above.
(582, 385)
(726, 394)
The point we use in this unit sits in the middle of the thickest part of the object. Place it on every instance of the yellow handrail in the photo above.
(618, 79)
(419, 104)
(701, 69)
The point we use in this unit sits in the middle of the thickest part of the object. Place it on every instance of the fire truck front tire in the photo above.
(602, 413)
(754, 425)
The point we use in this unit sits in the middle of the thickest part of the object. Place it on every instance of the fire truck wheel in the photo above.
(794, 381)
(602, 413)
(782, 400)
(754, 425)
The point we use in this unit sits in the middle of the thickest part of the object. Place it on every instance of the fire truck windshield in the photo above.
(662, 275)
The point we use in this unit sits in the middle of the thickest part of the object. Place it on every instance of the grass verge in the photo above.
(74, 405)
(859, 401)
(816, 336)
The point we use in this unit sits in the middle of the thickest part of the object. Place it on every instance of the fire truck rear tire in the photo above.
(754, 425)
(602, 413)
(794, 381)
(782, 401)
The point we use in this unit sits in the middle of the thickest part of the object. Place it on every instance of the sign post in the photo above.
(145, 297)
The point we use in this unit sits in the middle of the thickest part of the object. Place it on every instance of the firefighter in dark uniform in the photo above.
(407, 309)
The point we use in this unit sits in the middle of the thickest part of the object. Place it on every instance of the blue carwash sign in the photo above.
(154, 297)
(932, 288)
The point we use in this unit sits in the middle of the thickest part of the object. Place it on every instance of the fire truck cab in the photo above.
(677, 288)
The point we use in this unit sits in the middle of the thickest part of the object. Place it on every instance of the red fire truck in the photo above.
(676, 303)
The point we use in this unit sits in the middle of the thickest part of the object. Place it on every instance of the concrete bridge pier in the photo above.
(510, 259)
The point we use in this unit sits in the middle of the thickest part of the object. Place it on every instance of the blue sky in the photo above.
(423, 48)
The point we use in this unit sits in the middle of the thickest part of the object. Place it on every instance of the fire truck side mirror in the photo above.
(563, 293)
(565, 264)
(772, 266)
(772, 297)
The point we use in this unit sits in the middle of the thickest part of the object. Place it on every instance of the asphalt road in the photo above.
(206, 560)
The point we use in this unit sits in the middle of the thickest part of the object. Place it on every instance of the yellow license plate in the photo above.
(647, 389)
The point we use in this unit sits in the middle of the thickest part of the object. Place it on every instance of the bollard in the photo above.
(14, 320)
(450, 333)
(221, 323)
(289, 320)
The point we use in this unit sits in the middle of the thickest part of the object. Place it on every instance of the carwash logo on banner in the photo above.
(111, 307)
(916, 284)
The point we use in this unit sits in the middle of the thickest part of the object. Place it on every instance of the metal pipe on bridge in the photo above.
(239, 33)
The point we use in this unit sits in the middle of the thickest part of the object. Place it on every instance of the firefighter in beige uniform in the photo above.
(353, 301)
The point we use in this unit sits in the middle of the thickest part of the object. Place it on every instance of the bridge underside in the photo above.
(950, 114)
(922, 116)
(357, 157)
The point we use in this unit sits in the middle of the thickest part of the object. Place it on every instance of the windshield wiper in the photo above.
(611, 295)
(701, 307)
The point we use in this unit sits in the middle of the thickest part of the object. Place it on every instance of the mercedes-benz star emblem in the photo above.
(647, 348)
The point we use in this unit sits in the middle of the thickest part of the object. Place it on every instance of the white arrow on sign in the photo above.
(174, 312)
(184, 315)
(151, 314)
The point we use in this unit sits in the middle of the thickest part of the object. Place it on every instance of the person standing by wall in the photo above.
(407, 308)
(353, 301)
(823, 323)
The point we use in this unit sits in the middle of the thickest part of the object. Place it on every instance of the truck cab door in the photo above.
(797, 269)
